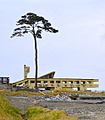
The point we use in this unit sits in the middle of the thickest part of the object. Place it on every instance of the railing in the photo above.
(69, 85)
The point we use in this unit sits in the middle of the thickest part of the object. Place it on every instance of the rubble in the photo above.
(84, 109)
(58, 98)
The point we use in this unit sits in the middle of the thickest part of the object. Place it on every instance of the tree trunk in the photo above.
(36, 60)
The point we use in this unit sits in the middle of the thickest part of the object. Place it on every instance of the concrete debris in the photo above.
(84, 109)
(58, 98)
(53, 98)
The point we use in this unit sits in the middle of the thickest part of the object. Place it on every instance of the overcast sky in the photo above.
(77, 51)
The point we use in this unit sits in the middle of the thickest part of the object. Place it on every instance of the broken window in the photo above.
(77, 82)
(57, 81)
(45, 81)
(51, 81)
(32, 81)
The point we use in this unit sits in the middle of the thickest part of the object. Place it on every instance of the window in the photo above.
(51, 81)
(45, 81)
(32, 81)
(77, 82)
(38, 81)
(1, 80)
(71, 82)
(83, 82)
(57, 81)
(64, 82)
(5, 80)
(90, 82)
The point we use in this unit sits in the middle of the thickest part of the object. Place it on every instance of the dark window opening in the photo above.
(57, 81)
(45, 81)
(71, 82)
(90, 82)
(32, 81)
(83, 82)
(77, 82)
(51, 81)
(38, 81)
(78, 88)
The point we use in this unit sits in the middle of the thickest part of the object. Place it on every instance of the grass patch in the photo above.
(28, 93)
(39, 113)
(19, 93)
(8, 112)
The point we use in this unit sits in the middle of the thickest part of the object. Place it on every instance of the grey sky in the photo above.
(78, 50)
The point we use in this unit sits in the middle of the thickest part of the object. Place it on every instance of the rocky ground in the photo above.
(84, 109)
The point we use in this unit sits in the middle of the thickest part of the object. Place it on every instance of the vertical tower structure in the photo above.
(26, 71)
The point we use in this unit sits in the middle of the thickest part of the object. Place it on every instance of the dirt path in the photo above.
(21, 103)
(24, 117)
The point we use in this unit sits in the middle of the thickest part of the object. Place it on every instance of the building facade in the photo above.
(50, 83)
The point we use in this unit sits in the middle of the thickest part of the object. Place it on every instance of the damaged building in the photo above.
(48, 82)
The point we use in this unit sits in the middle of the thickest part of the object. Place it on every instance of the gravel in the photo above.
(84, 109)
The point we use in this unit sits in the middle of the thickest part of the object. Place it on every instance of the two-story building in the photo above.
(49, 82)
